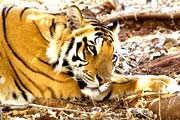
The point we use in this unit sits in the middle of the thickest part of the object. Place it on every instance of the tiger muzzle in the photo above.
(101, 79)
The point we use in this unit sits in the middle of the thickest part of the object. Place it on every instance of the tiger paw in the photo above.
(99, 93)
(143, 83)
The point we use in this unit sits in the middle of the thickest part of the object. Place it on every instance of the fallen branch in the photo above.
(163, 65)
(142, 14)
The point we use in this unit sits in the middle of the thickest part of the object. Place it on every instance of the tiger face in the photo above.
(87, 54)
(92, 63)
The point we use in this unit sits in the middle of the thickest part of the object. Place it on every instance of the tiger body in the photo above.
(61, 56)
(35, 67)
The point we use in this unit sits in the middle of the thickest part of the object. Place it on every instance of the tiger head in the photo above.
(86, 52)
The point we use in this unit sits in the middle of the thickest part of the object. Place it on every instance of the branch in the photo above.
(143, 14)
(163, 65)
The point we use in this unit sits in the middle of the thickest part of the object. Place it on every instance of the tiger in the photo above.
(63, 55)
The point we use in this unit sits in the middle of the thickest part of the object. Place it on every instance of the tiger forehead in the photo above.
(84, 31)
(103, 29)
(99, 30)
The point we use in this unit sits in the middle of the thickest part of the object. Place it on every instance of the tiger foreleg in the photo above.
(130, 84)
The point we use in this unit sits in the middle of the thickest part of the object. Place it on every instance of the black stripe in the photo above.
(43, 61)
(70, 73)
(52, 27)
(19, 79)
(105, 30)
(95, 40)
(66, 64)
(86, 45)
(80, 65)
(85, 40)
(111, 38)
(94, 24)
(22, 12)
(3, 19)
(46, 41)
(8, 10)
(70, 45)
(54, 64)
(81, 83)
(99, 34)
(14, 95)
(107, 96)
(103, 42)
(1, 54)
(84, 52)
(79, 44)
(32, 82)
(76, 57)
(96, 28)
(20, 59)
(53, 95)
(19, 88)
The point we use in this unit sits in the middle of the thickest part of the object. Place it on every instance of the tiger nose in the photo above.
(101, 79)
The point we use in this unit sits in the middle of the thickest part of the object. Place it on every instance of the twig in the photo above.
(159, 106)
(116, 105)
(155, 94)
(1, 115)
(133, 97)
(44, 107)
(71, 117)
(144, 115)
(136, 96)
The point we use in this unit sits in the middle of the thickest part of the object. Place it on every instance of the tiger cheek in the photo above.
(100, 64)
(90, 60)
(106, 61)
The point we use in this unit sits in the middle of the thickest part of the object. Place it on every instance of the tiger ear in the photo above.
(114, 26)
(75, 17)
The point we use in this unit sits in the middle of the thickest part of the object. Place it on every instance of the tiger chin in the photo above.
(63, 55)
